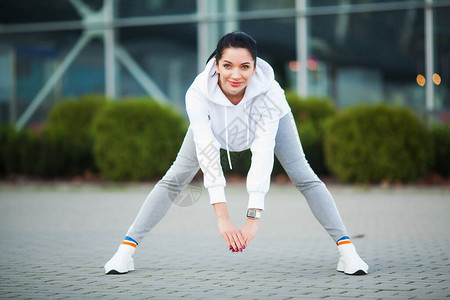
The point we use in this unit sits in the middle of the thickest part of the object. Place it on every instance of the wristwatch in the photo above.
(253, 214)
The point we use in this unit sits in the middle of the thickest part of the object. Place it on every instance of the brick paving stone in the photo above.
(55, 241)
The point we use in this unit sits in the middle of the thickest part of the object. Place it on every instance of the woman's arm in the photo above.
(208, 155)
(258, 178)
(207, 146)
(229, 232)
(249, 230)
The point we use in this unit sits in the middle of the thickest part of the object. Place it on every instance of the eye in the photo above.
(227, 66)
(245, 67)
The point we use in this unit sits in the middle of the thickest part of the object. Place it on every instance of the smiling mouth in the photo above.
(235, 83)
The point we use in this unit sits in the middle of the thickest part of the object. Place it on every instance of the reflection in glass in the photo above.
(442, 61)
(371, 57)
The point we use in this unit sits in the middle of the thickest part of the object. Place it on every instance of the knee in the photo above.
(177, 180)
(303, 177)
(305, 185)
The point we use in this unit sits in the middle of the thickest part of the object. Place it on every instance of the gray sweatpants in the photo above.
(289, 152)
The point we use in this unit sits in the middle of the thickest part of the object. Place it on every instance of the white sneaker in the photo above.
(350, 263)
(122, 262)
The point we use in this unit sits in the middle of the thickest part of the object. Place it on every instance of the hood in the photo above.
(259, 83)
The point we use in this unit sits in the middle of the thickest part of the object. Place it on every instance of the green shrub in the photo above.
(68, 129)
(11, 141)
(4, 130)
(374, 143)
(310, 116)
(313, 108)
(64, 147)
(441, 145)
(24, 152)
(137, 139)
(29, 152)
(73, 117)
(59, 156)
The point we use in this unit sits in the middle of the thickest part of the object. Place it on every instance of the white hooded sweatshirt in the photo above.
(252, 123)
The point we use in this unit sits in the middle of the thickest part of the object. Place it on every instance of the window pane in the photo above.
(250, 5)
(31, 11)
(316, 3)
(371, 57)
(442, 62)
(139, 8)
(33, 58)
(167, 54)
(276, 44)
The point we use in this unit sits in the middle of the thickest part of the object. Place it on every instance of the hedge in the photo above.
(18, 151)
(441, 144)
(310, 116)
(68, 130)
(137, 139)
(24, 152)
(374, 143)
(59, 156)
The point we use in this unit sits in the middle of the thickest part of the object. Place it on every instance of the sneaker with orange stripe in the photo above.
(349, 262)
(122, 262)
(130, 242)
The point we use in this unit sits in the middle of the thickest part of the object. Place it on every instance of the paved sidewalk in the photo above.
(56, 239)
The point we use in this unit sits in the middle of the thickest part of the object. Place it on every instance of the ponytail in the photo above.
(212, 56)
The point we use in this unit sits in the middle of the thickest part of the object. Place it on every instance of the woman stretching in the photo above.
(236, 104)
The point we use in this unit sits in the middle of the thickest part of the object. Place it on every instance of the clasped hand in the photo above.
(236, 239)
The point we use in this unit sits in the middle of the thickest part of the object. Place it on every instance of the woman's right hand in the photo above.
(231, 234)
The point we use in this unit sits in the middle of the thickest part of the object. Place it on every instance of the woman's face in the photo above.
(235, 68)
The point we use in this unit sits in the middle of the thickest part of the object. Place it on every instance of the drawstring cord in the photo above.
(247, 117)
(226, 138)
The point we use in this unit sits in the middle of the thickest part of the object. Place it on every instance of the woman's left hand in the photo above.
(249, 230)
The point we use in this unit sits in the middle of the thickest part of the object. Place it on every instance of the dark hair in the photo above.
(236, 39)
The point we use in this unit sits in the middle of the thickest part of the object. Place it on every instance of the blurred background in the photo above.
(350, 52)
(353, 51)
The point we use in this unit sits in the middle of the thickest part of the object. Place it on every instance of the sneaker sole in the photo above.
(359, 272)
(114, 272)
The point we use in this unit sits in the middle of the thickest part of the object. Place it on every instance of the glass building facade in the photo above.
(352, 51)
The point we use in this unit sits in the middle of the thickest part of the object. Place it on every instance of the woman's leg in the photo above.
(166, 190)
(289, 152)
(156, 205)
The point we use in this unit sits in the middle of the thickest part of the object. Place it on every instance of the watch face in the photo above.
(251, 213)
